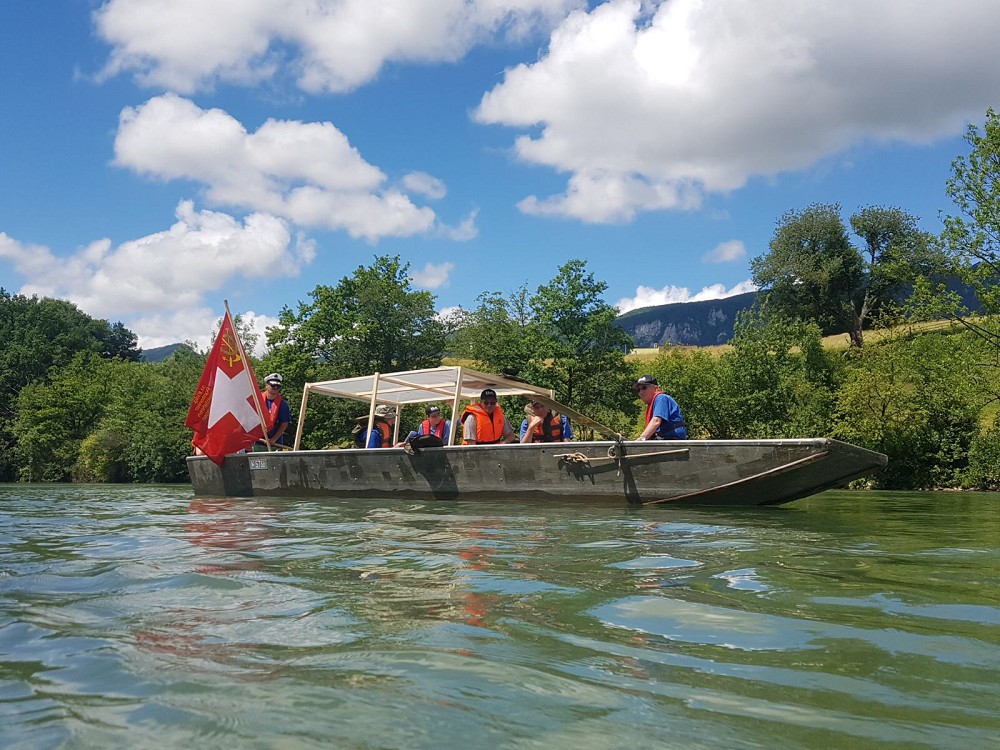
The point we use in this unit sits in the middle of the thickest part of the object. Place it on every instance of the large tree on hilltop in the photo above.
(812, 271)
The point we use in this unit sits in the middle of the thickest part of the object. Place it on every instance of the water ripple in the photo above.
(134, 617)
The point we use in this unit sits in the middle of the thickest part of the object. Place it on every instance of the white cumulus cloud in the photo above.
(325, 45)
(198, 326)
(464, 231)
(646, 296)
(156, 285)
(306, 172)
(650, 105)
(726, 252)
(425, 184)
(433, 275)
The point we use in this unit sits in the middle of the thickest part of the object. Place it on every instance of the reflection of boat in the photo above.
(720, 472)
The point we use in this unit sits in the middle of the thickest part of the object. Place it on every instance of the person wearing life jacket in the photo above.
(381, 434)
(484, 423)
(542, 426)
(664, 420)
(279, 414)
(435, 424)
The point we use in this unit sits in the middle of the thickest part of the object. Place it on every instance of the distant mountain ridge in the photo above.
(704, 323)
(160, 353)
(711, 322)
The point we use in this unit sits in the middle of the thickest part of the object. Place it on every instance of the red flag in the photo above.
(222, 413)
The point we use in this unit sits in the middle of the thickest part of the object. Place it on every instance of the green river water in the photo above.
(142, 617)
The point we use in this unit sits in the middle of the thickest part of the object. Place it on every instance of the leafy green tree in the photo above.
(584, 348)
(562, 337)
(500, 334)
(971, 243)
(813, 272)
(102, 420)
(53, 418)
(912, 398)
(144, 412)
(696, 378)
(776, 381)
(39, 335)
(973, 237)
(983, 472)
(371, 321)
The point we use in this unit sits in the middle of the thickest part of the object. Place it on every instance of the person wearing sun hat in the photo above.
(664, 420)
(279, 414)
(540, 425)
(381, 434)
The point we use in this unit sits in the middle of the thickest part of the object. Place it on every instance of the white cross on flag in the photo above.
(222, 414)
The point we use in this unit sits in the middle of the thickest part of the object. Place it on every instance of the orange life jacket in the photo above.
(361, 434)
(270, 412)
(549, 431)
(489, 429)
(426, 428)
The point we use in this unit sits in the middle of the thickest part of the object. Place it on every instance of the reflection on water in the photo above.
(135, 617)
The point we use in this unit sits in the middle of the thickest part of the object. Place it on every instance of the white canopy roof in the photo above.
(452, 384)
(421, 386)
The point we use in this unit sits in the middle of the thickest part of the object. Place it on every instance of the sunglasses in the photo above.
(488, 401)
(644, 387)
(275, 386)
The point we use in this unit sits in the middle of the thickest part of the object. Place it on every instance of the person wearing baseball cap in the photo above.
(664, 420)
(484, 423)
(435, 424)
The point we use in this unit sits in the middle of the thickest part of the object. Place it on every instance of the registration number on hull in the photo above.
(258, 463)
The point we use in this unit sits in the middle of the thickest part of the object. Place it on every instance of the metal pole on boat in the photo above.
(302, 417)
(455, 416)
(371, 409)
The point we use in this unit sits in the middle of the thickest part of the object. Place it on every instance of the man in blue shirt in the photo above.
(435, 424)
(280, 415)
(664, 420)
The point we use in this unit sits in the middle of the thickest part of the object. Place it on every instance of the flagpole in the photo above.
(253, 385)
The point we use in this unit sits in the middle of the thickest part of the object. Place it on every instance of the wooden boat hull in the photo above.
(693, 472)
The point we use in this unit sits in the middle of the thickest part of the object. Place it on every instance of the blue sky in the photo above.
(159, 156)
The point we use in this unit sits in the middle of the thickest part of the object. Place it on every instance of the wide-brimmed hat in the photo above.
(385, 411)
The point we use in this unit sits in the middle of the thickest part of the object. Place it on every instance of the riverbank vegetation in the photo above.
(857, 335)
